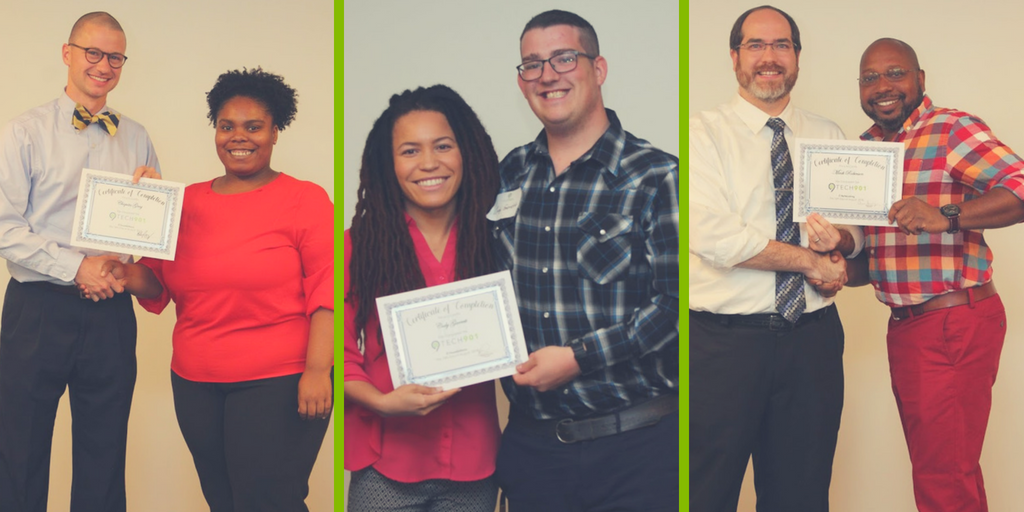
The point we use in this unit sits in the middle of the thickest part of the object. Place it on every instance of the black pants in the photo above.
(49, 341)
(636, 470)
(776, 395)
(252, 451)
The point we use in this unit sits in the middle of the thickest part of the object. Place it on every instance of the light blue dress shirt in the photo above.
(41, 162)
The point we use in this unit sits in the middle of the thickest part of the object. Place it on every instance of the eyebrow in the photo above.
(759, 40)
(534, 56)
(435, 141)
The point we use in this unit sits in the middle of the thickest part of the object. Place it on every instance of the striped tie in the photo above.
(789, 286)
(81, 118)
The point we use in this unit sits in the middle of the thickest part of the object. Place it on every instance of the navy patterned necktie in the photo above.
(789, 286)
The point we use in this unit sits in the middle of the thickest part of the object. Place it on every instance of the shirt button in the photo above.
(603, 232)
(547, 228)
(552, 189)
(547, 315)
(565, 391)
(544, 270)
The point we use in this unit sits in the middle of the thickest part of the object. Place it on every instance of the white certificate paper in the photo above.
(847, 182)
(112, 214)
(453, 335)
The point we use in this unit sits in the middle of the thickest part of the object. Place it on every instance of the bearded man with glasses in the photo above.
(934, 270)
(588, 223)
(51, 338)
(766, 347)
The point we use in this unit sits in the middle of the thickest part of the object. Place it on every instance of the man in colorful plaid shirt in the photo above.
(935, 271)
(588, 223)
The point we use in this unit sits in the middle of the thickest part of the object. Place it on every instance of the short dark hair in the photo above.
(736, 36)
(266, 88)
(100, 18)
(588, 36)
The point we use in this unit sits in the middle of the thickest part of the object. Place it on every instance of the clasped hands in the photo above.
(828, 270)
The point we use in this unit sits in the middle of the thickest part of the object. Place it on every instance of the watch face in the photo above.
(950, 210)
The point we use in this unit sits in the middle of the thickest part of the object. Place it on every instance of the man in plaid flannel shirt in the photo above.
(935, 271)
(588, 223)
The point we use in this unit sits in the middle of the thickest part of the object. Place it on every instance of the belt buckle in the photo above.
(558, 432)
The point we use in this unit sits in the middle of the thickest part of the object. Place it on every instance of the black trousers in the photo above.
(251, 449)
(776, 395)
(49, 341)
(636, 470)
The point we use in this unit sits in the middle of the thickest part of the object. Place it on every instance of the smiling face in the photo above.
(766, 77)
(428, 163)
(245, 137)
(564, 102)
(89, 84)
(890, 103)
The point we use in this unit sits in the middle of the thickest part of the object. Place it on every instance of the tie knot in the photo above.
(776, 124)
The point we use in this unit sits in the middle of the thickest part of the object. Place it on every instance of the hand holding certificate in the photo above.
(847, 182)
(453, 335)
(113, 214)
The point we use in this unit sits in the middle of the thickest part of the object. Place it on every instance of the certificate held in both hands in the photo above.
(453, 335)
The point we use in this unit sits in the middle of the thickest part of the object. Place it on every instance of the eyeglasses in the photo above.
(892, 75)
(759, 46)
(95, 55)
(562, 63)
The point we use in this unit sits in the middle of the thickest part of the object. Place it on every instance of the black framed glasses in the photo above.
(892, 75)
(95, 55)
(760, 46)
(562, 63)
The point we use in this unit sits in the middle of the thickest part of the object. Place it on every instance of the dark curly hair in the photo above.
(383, 257)
(267, 88)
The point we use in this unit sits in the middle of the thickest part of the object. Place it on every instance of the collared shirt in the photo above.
(951, 157)
(41, 162)
(457, 441)
(594, 255)
(732, 205)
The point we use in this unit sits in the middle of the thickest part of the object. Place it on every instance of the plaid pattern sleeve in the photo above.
(951, 157)
(594, 255)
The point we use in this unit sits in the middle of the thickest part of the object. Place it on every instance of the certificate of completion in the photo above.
(112, 214)
(847, 182)
(453, 335)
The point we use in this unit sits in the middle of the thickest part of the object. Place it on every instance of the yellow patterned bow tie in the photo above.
(82, 118)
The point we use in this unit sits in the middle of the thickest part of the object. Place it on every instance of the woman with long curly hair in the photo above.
(428, 178)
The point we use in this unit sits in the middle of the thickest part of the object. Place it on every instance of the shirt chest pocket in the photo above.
(605, 247)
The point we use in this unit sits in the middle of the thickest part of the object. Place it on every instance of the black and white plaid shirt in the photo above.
(594, 255)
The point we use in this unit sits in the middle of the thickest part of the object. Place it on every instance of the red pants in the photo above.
(943, 364)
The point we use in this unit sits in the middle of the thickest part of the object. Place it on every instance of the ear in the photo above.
(65, 52)
(735, 55)
(522, 85)
(276, 131)
(920, 78)
(601, 69)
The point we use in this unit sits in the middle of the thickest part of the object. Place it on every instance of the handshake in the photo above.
(102, 277)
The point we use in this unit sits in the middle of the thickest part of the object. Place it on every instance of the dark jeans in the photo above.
(636, 470)
(251, 449)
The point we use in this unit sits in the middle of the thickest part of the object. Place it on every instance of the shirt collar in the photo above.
(875, 132)
(605, 153)
(755, 119)
(67, 106)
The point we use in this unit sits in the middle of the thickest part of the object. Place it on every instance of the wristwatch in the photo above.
(952, 212)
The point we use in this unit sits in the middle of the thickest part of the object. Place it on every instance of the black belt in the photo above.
(59, 288)
(573, 431)
(770, 321)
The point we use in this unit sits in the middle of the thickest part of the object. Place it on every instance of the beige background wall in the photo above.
(176, 51)
(473, 47)
(969, 52)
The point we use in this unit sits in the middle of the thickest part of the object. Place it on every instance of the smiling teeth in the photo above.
(885, 103)
(431, 182)
(555, 94)
(241, 152)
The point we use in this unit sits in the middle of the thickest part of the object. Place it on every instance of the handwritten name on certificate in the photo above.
(847, 182)
(455, 334)
(115, 215)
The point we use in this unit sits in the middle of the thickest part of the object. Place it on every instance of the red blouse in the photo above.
(457, 441)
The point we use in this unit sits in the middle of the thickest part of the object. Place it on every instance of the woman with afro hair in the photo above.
(253, 286)
(428, 177)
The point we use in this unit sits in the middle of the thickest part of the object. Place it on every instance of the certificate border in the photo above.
(500, 284)
(164, 249)
(892, 151)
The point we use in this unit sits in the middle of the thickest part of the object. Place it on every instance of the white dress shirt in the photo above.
(41, 162)
(732, 205)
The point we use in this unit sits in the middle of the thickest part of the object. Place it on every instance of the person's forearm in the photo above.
(320, 352)
(364, 394)
(140, 281)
